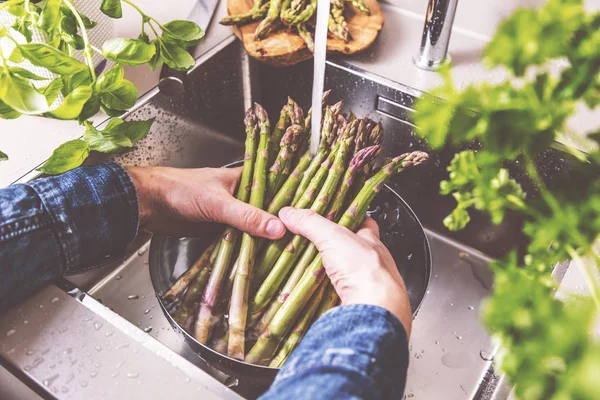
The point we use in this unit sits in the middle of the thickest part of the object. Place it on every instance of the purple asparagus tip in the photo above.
(337, 107)
(261, 113)
(250, 118)
(364, 156)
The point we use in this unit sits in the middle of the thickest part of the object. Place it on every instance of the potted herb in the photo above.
(76, 91)
(547, 349)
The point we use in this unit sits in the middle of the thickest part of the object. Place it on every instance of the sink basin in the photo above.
(450, 351)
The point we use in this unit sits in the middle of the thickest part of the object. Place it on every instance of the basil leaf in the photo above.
(87, 23)
(74, 40)
(22, 26)
(176, 57)
(73, 103)
(10, 50)
(134, 130)
(81, 78)
(68, 22)
(121, 98)
(52, 90)
(112, 8)
(91, 108)
(113, 123)
(186, 31)
(6, 112)
(156, 60)
(50, 17)
(42, 55)
(20, 94)
(105, 141)
(18, 10)
(25, 73)
(111, 112)
(3, 156)
(111, 79)
(128, 51)
(144, 37)
(67, 156)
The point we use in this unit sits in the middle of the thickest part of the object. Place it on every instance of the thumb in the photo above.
(311, 225)
(249, 219)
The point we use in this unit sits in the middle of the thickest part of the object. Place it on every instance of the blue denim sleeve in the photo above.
(351, 352)
(63, 225)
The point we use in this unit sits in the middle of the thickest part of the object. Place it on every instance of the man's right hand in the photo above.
(360, 267)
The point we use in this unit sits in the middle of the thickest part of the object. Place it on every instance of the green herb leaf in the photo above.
(175, 56)
(111, 79)
(91, 108)
(55, 61)
(105, 141)
(50, 17)
(156, 60)
(87, 23)
(73, 104)
(112, 8)
(52, 90)
(27, 74)
(6, 112)
(21, 95)
(3, 156)
(9, 50)
(185, 31)
(128, 51)
(74, 40)
(111, 112)
(121, 97)
(67, 156)
(68, 22)
(134, 130)
(81, 78)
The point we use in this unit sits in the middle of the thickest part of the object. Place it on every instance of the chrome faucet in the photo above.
(436, 34)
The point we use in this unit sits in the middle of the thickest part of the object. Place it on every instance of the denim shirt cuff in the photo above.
(94, 212)
(368, 342)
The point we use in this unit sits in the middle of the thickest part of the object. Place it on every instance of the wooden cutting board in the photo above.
(283, 48)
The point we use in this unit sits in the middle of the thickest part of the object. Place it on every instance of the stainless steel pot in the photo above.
(401, 232)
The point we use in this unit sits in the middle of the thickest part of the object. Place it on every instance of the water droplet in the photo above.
(83, 384)
(63, 330)
(98, 348)
(93, 374)
(148, 329)
(187, 379)
(451, 304)
(118, 277)
(133, 297)
(25, 322)
(486, 356)
(142, 251)
(459, 337)
(97, 325)
(49, 381)
(88, 318)
(30, 352)
(471, 308)
(64, 389)
(133, 375)
(437, 342)
(122, 346)
(147, 311)
(231, 382)
(11, 332)
(109, 334)
(54, 300)
(410, 395)
(68, 351)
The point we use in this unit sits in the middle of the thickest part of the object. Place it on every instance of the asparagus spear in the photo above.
(295, 246)
(188, 276)
(270, 22)
(302, 17)
(288, 147)
(239, 297)
(307, 121)
(337, 25)
(330, 300)
(362, 136)
(375, 139)
(256, 13)
(280, 127)
(358, 161)
(299, 329)
(206, 313)
(327, 138)
(286, 193)
(194, 293)
(361, 6)
(269, 340)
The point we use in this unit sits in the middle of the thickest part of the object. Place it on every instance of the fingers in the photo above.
(311, 225)
(230, 177)
(249, 219)
(369, 229)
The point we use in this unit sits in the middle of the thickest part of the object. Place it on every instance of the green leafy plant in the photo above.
(83, 93)
(547, 349)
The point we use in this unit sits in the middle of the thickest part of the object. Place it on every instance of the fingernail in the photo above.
(275, 228)
(285, 211)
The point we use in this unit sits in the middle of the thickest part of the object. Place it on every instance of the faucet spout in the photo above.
(436, 34)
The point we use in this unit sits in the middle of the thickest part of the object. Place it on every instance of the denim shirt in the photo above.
(86, 217)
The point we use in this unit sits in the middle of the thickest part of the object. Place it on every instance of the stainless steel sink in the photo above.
(450, 351)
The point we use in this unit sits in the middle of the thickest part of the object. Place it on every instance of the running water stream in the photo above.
(319, 72)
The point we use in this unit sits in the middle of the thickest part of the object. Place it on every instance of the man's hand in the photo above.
(361, 269)
(180, 201)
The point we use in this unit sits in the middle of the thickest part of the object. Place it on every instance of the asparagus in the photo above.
(362, 136)
(239, 297)
(206, 313)
(297, 244)
(361, 6)
(375, 139)
(299, 329)
(278, 131)
(330, 300)
(270, 22)
(288, 147)
(358, 161)
(302, 17)
(327, 138)
(269, 340)
(275, 248)
(186, 310)
(284, 196)
(256, 13)
(337, 25)
(188, 276)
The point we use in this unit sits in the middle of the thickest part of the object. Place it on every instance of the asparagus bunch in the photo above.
(297, 16)
(267, 299)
